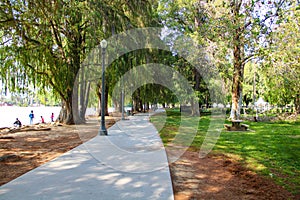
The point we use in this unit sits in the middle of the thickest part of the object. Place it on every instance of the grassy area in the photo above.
(269, 148)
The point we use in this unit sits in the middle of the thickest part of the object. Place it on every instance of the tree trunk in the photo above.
(140, 105)
(132, 106)
(66, 114)
(86, 101)
(236, 91)
(135, 105)
(206, 101)
(139, 101)
(116, 105)
(99, 98)
(237, 75)
(99, 90)
(106, 101)
(297, 103)
(195, 107)
(82, 88)
(69, 113)
(120, 103)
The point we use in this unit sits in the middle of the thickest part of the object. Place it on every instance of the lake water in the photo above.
(8, 114)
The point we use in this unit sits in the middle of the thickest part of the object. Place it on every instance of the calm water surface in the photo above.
(8, 114)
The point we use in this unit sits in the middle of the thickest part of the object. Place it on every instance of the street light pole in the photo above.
(122, 100)
(102, 130)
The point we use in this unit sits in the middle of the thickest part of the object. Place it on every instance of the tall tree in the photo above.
(232, 31)
(134, 14)
(244, 26)
(47, 43)
(282, 67)
(49, 40)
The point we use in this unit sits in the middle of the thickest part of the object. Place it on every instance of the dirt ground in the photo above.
(220, 177)
(213, 177)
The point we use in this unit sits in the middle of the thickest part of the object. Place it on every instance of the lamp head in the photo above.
(103, 44)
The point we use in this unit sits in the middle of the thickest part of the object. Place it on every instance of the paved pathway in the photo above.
(130, 163)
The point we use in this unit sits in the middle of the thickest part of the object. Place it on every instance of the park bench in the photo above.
(236, 126)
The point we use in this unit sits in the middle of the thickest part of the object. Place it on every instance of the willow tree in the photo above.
(136, 14)
(49, 40)
(180, 17)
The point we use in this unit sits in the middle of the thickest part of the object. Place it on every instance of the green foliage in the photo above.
(231, 33)
(43, 44)
(282, 68)
(45, 48)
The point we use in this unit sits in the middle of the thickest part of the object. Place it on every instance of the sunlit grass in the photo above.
(269, 148)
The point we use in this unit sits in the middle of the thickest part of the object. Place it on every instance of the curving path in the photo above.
(129, 163)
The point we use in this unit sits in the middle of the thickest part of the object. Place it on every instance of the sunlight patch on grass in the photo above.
(252, 163)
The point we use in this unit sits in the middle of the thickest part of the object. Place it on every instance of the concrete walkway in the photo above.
(129, 163)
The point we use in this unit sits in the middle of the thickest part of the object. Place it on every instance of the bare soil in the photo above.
(213, 177)
(219, 177)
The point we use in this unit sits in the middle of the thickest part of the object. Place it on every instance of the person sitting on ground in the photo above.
(17, 123)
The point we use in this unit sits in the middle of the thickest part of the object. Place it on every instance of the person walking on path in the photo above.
(31, 116)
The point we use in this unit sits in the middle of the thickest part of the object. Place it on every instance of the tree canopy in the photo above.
(44, 45)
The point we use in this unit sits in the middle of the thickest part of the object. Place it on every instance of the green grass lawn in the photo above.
(269, 148)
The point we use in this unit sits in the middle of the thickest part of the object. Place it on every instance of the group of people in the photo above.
(18, 123)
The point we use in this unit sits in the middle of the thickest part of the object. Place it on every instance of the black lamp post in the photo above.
(102, 130)
(122, 100)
